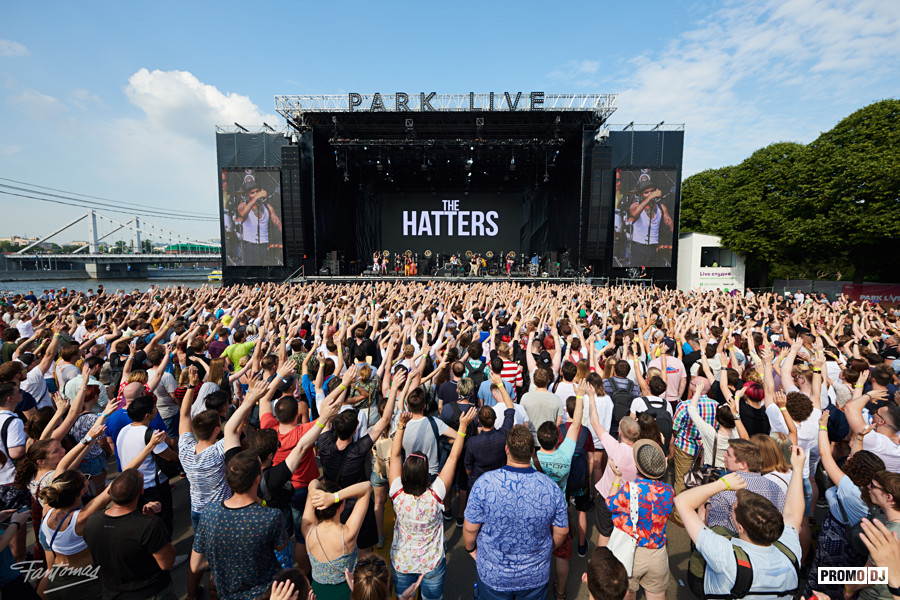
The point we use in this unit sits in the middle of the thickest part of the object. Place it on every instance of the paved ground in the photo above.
(460, 567)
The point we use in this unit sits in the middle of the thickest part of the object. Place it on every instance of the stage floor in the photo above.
(523, 280)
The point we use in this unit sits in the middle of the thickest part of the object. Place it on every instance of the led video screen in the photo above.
(251, 213)
(451, 223)
(644, 217)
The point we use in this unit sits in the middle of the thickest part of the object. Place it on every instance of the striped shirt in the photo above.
(686, 435)
(205, 471)
(512, 373)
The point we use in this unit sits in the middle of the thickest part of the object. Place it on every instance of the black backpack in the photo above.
(663, 419)
(622, 399)
(578, 473)
(477, 375)
(743, 582)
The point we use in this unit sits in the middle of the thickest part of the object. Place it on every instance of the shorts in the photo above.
(565, 549)
(377, 480)
(650, 571)
(93, 466)
(462, 477)
(807, 497)
(604, 517)
(581, 499)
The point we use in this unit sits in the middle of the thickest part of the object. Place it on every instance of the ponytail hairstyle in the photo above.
(371, 580)
(65, 490)
(28, 466)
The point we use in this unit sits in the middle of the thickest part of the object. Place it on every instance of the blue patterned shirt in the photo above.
(517, 509)
(720, 505)
(685, 434)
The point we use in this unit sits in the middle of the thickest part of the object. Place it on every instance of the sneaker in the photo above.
(582, 550)
(380, 543)
(459, 522)
(180, 560)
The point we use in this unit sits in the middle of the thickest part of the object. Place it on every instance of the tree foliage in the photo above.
(828, 207)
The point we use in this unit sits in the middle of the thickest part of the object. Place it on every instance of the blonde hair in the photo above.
(139, 376)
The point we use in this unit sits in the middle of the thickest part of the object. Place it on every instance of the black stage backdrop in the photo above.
(449, 223)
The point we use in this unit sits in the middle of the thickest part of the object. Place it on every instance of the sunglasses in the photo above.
(376, 561)
(875, 486)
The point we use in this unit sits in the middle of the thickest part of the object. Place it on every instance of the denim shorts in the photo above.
(377, 480)
(298, 503)
(432, 587)
(93, 466)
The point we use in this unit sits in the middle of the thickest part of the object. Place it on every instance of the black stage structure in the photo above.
(405, 174)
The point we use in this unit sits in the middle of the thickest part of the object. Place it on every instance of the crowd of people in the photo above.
(544, 420)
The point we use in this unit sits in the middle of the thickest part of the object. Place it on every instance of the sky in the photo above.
(120, 101)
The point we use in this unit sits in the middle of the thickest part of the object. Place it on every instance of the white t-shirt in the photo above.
(782, 480)
(35, 385)
(564, 390)
(164, 401)
(807, 431)
(884, 448)
(15, 436)
(65, 372)
(518, 419)
(638, 405)
(129, 444)
(199, 404)
(604, 406)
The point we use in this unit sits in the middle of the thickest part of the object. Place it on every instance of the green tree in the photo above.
(850, 185)
(119, 247)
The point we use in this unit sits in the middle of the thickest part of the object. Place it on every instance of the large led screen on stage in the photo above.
(251, 216)
(451, 223)
(644, 217)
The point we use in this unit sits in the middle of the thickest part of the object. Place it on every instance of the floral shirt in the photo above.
(418, 544)
(654, 509)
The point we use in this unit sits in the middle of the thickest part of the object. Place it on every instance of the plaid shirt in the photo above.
(687, 437)
(720, 505)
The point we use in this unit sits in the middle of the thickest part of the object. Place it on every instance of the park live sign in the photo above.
(424, 102)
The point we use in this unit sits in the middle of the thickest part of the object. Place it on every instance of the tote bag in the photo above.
(621, 544)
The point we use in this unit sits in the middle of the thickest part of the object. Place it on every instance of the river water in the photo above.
(110, 285)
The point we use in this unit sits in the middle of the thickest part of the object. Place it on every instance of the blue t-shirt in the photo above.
(517, 509)
(485, 395)
(119, 420)
(772, 570)
(851, 500)
(557, 464)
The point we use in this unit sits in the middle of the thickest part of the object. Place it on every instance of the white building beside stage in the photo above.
(703, 264)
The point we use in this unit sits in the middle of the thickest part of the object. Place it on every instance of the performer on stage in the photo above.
(384, 265)
(509, 264)
(376, 262)
(474, 264)
(649, 212)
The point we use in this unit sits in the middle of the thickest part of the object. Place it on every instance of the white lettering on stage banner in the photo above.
(451, 221)
(853, 575)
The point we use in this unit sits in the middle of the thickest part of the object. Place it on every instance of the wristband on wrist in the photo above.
(737, 417)
(822, 428)
(725, 481)
(337, 498)
(782, 408)
(858, 386)
(320, 424)
(343, 387)
(461, 433)
(471, 550)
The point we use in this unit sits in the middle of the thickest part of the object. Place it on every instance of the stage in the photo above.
(519, 280)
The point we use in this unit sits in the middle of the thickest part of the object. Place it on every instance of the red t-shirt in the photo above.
(307, 471)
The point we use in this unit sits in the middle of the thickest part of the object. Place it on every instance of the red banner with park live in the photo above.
(886, 294)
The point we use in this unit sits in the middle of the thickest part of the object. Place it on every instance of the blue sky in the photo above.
(119, 100)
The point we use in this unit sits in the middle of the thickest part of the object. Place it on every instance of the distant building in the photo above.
(703, 264)
(19, 241)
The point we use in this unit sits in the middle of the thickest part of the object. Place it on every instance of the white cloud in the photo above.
(11, 48)
(753, 73)
(36, 104)
(179, 103)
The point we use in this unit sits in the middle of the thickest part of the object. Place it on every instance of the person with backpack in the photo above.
(657, 406)
(578, 486)
(450, 415)
(475, 369)
(554, 459)
(762, 556)
(686, 440)
(622, 391)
